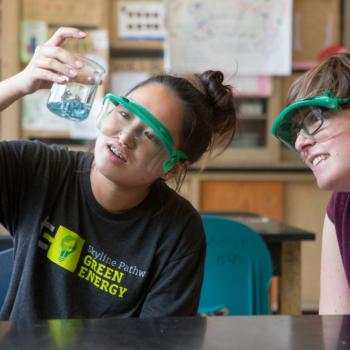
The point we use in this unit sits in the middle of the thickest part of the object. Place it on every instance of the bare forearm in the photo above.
(10, 91)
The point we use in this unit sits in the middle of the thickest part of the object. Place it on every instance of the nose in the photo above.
(127, 137)
(303, 141)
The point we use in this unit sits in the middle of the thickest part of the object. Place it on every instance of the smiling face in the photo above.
(327, 152)
(127, 151)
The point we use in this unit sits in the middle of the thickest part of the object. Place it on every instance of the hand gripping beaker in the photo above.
(73, 99)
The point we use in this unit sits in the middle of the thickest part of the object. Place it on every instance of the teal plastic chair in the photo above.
(238, 269)
(6, 265)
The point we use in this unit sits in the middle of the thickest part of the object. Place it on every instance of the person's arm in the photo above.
(50, 63)
(334, 287)
(176, 281)
(176, 291)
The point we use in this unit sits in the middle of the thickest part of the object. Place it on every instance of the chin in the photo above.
(325, 187)
(333, 185)
(325, 183)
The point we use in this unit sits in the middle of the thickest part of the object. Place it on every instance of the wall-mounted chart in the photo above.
(247, 37)
(140, 20)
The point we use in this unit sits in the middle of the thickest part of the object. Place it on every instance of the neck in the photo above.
(113, 197)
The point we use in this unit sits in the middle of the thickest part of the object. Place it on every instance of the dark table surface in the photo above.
(213, 333)
(270, 230)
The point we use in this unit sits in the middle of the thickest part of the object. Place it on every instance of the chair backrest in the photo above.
(238, 269)
(6, 264)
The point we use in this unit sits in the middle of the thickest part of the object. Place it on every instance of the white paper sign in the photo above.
(246, 37)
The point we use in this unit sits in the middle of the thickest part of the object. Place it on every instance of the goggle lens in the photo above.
(121, 116)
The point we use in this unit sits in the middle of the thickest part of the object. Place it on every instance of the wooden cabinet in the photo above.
(260, 197)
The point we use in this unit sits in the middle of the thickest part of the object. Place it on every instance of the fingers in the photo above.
(46, 75)
(57, 59)
(51, 56)
(52, 47)
(51, 62)
(63, 33)
(62, 72)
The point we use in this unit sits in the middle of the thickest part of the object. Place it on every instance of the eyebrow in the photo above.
(125, 110)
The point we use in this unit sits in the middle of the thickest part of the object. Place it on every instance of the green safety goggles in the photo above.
(161, 133)
(311, 111)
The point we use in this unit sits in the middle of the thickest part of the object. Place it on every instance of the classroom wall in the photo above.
(304, 204)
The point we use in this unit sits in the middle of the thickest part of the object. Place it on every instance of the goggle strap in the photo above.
(337, 100)
(344, 100)
(177, 157)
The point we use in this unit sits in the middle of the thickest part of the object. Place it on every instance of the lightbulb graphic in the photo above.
(68, 246)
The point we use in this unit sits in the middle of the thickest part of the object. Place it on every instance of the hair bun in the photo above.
(217, 93)
(220, 97)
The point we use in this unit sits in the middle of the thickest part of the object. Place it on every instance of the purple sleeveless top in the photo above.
(338, 211)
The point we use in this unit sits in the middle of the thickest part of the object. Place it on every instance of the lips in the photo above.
(118, 152)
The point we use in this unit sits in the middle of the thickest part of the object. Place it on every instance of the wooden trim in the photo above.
(78, 13)
(290, 280)
(346, 24)
(10, 126)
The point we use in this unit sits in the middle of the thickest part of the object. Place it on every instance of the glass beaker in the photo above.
(73, 100)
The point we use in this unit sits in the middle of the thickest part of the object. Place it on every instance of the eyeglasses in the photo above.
(311, 112)
(311, 120)
(120, 115)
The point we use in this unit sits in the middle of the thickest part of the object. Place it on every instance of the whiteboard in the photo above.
(245, 37)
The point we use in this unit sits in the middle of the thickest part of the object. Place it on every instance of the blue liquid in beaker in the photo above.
(70, 109)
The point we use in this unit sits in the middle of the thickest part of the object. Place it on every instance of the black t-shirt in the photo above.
(74, 259)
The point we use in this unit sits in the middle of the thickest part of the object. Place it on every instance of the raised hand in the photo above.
(51, 63)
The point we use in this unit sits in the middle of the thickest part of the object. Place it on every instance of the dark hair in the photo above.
(331, 74)
(209, 111)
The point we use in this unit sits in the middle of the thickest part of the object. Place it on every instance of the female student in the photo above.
(316, 124)
(102, 235)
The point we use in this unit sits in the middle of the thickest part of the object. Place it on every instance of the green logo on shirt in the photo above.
(66, 248)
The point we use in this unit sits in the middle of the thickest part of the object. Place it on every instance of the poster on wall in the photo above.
(245, 37)
(140, 20)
